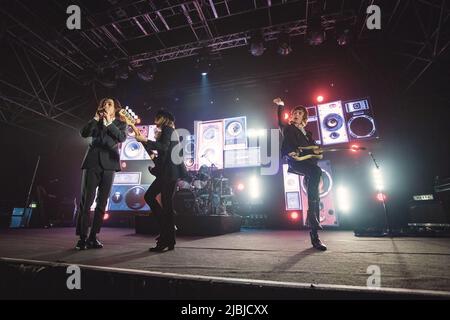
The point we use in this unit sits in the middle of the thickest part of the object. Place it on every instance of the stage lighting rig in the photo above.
(257, 47)
(147, 72)
(107, 78)
(203, 61)
(343, 33)
(315, 34)
(284, 44)
(122, 71)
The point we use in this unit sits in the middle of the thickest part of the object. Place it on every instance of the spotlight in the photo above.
(284, 46)
(122, 71)
(294, 215)
(286, 116)
(319, 98)
(106, 216)
(123, 165)
(147, 72)
(203, 61)
(354, 148)
(240, 186)
(257, 44)
(315, 34)
(381, 196)
(343, 34)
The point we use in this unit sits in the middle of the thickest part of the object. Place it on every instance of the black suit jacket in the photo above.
(103, 151)
(292, 138)
(166, 168)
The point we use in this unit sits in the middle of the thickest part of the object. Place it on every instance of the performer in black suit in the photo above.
(303, 161)
(99, 166)
(171, 168)
(156, 187)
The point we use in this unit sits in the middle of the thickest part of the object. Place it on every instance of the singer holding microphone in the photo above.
(99, 166)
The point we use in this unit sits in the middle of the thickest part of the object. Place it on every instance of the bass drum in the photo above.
(185, 202)
(183, 185)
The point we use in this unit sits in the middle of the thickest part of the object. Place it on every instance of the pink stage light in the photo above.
(319, 98)
(294, 215)
(240, 186)
(381, 196)
(106, 216)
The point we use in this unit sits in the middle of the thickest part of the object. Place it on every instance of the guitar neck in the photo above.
(136, 130)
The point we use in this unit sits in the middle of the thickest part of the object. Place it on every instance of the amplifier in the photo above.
(427, 212)
(21, 218)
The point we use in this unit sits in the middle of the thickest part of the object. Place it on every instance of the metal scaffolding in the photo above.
(139, 31)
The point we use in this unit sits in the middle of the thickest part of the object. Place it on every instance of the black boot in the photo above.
(81, 244)
(315, 241)
(162, 246)
(94, 243)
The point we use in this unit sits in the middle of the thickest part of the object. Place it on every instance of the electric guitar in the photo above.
(315, 152)
(130, 118)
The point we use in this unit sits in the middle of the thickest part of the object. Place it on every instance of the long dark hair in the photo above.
(117, 105)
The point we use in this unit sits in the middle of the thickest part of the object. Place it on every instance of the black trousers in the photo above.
(150, 198)
(91, 179)
(312, 174)
(168, 216)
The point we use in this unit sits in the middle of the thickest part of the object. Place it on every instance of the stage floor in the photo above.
(410, 263)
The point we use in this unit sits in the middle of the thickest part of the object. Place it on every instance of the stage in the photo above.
(259, 255)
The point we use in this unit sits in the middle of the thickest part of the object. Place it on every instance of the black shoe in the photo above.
(160, 247)
(94, 244)
(316, 243)
(81, 244)
(313, 222)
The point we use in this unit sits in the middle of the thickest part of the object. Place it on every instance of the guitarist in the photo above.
(302, 154)
(156, 187)
(168, 172)
(99, 166)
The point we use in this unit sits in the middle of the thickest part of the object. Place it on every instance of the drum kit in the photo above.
(209, 193)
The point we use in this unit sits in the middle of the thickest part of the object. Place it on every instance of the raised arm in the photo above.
(280, 112)
(89, 128)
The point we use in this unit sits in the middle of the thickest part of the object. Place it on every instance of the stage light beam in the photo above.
(254, 187)
(319, 98)
(343, 197)
(378, 180)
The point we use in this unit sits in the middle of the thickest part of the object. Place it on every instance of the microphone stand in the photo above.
(27, 201)
(386, 217)
(211, 184)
